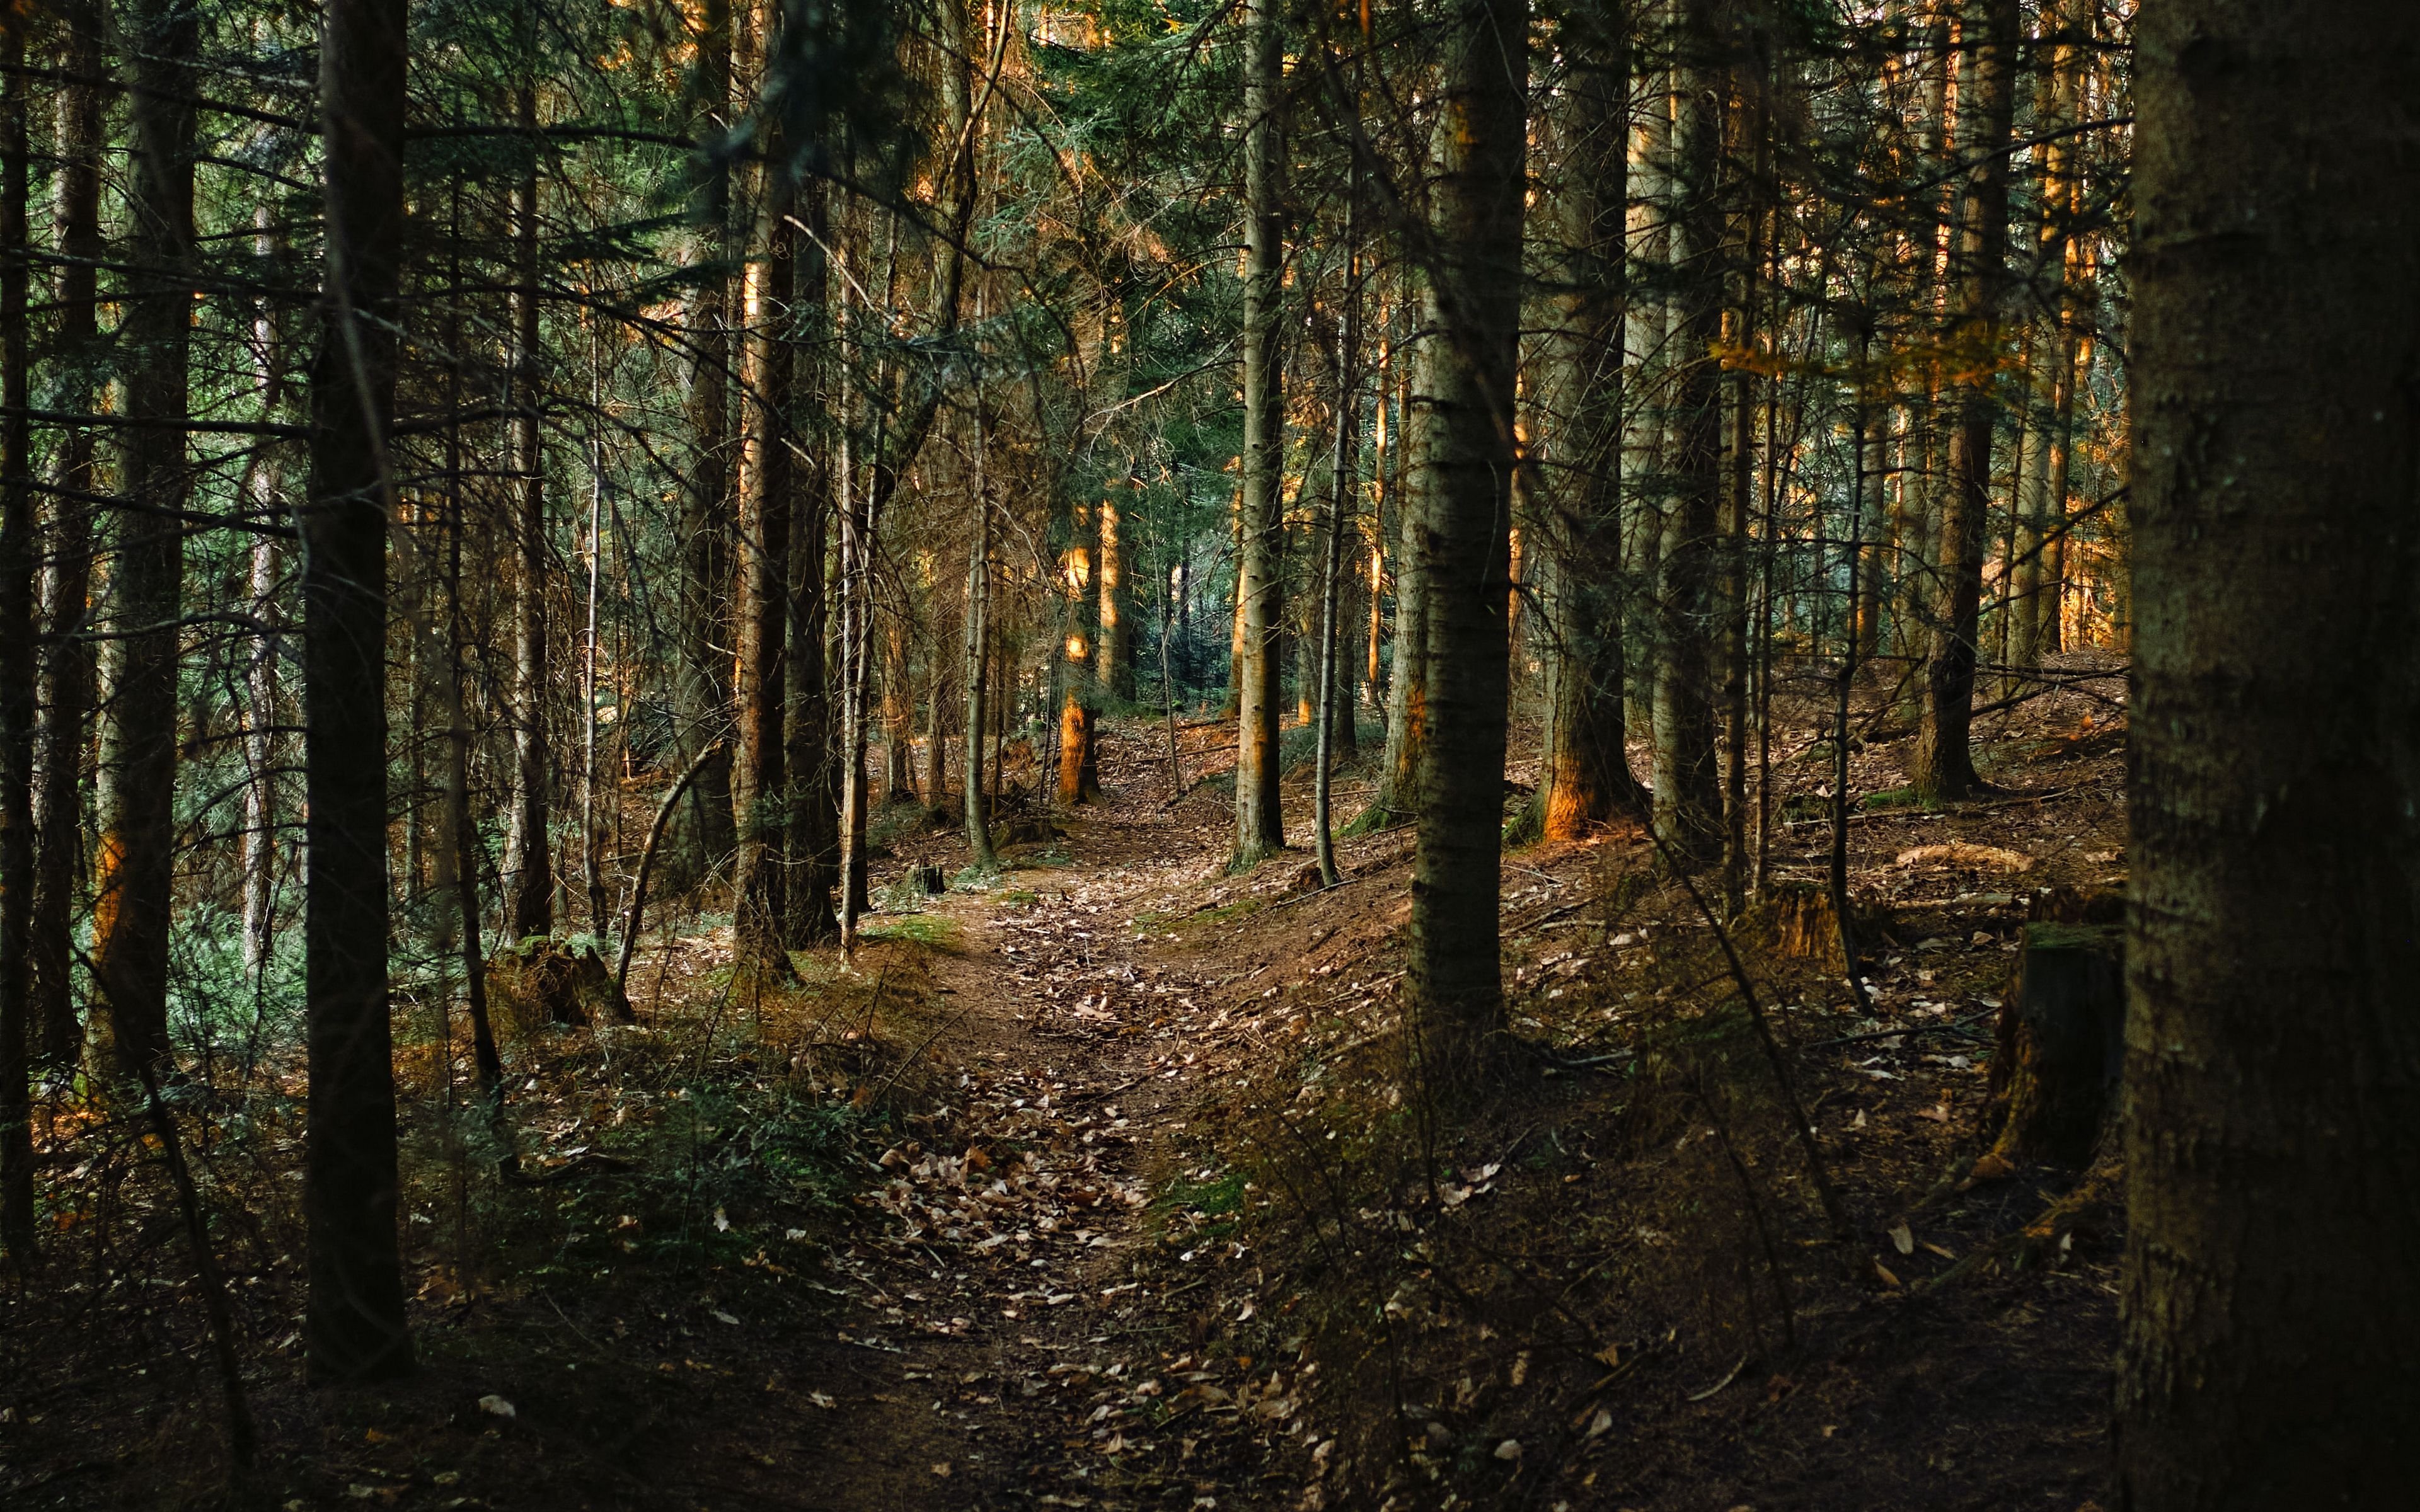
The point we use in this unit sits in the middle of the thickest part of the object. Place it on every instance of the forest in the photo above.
(898, 754)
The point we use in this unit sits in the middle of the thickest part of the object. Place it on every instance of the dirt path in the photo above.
(1013, 1344)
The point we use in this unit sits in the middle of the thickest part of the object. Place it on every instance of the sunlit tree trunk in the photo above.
(353, 1324)
(763, 615)
(1647, 372)
(1464, 518)
(1260, 827)
(1943, 765)
(2272, 1286)
(2051, 394)
(1116, 666)
(138, 767)
(67, 587)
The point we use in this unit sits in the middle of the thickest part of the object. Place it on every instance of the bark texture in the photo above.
(1466, 514)
(138, 763)
(354, 1325)
(2271, 1289)
(1943, 765)
(1260, 827)
(66, 585)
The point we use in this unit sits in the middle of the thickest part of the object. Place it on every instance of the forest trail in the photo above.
(1011, 1334)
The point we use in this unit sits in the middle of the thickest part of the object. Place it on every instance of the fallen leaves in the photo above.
(1959, 853)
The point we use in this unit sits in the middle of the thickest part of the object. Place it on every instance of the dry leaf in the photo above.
(1902, 1238)
(1883, 1273)
(1509, 1449)
(1958, 852)
(496, 1406)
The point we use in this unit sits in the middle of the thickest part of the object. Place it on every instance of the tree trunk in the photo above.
(67, 590)
(16, 670)
(138, 769)
(1467, 409)
(978, 644)
(1647, 372)
(763, 617)
(529, 893)
(353, 1327)
(1689, 792)
(703, 831)
(937, 750)
(899, 714)
(2271, 1289)
(1584, 773)
(812, 842)
(1114, 666)
(1260, 826)
(1343, 470)
(1943, 765)
(263, 497)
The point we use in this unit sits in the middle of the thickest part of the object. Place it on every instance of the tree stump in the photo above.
(2061, 1047)
(928, 880)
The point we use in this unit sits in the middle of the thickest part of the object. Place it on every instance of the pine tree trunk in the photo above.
(354, 1325)
(67, 590)
(812, 839)
(703, 832)
(1260, 826)
(1943, 765)
(138, 769)
(975, 656)
(1115, 667)
(530, 892)
(261, 808)
(1646, 398)
(763, 617)
(1584, 773)
(899, 715)
(2271, 1287)
(1464, 520)
(16, 670)
(1688, 791)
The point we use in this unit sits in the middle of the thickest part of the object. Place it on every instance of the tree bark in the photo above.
(764, 490)
(1689, 792)
(1584, 773)
(1943, 765)
(138, 769)
(2271, 1287)
(702, 833)
(261, 796)
(529, 893)
(353, 1327)
(978, 643)
(812, 842)
(1467, 409)
(16, 670)
(1114, 666)
(67, 589)
(1260, 825)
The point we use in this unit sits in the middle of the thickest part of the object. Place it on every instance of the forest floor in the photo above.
(1093, 1184)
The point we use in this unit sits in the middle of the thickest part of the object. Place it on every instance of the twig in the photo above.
(1952, 1025)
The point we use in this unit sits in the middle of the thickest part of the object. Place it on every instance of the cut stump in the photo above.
(2061, 1046)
